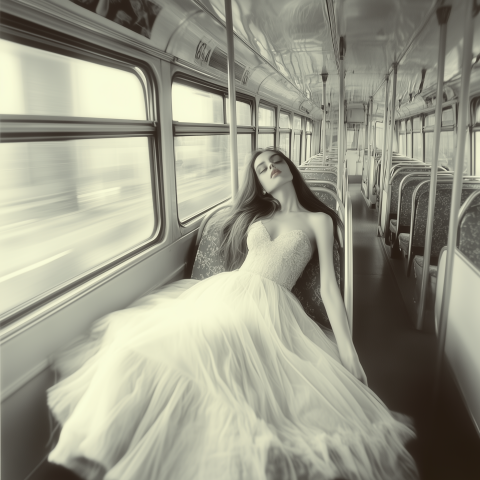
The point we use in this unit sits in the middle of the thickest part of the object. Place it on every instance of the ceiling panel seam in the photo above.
(219, 20)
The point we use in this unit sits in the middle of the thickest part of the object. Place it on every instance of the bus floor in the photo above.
(399, 361)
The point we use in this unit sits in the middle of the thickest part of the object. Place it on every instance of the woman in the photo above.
(228, 378)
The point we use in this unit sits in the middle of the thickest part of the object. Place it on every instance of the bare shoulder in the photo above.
(320, 220)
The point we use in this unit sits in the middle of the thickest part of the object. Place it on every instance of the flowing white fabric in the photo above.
(226, 378)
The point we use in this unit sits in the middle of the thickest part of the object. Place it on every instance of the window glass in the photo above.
(244, 112)
(309, 125)
(417, 124)
(202, 169)
(67, 207)
(402, 126)
(266, 116)
(297, 122)
(447, 117)
(352, 136)
(284, 120)
(476, 111)
(285, 143)
(417, 146)
(296, 149)
(244, 149)
(429, 120)
(309, 146)
(37, 82)
(445, 152)
(409, 125)
(409, 144)
(402, 143)
(395, 143)
(193, 105)
(378, 135)
(266, 140)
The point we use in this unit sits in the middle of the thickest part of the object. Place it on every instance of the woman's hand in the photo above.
(350, 361)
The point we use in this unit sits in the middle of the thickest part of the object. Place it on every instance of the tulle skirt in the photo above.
(226, 378)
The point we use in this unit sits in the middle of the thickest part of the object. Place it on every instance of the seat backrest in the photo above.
(397, 177)
(325, 184)
(327, 176)
(441, 215)
(404, 207)
(307, 289)
(468, 236)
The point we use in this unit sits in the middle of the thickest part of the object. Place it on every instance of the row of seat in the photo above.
(405, 207)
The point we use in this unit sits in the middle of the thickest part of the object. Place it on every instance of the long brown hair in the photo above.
(251, 204)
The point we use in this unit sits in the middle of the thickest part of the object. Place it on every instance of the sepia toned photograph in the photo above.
(243, 246)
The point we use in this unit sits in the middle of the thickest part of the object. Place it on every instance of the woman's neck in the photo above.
(287, 197)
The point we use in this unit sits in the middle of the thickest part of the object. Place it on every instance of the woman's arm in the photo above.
(322, 226)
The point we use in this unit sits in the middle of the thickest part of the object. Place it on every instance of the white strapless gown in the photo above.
(226, 378)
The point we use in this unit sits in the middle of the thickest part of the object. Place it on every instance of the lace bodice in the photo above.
(281, 260)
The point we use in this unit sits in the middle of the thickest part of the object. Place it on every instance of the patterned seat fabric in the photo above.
(397, 178)
(313, 184)
(325, 176)
(327, 199)
(404, 216)
(307, 289)
(418, 267)
(393, 225)
(469, 238)
(441, 216)
(404, 240)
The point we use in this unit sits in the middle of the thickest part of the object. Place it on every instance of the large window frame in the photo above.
(19, 128)
(185, 129)
(285, 130)
(445, 127)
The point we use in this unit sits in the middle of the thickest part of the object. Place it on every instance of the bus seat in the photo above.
(207, 262)
(327, 176)
(416, 238)
(469, 230)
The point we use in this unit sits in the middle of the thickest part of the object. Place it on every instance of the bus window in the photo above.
(401, 139)
(285, 132)
(39, 82)
(285, 143)
(194, 105)
(266, 116)
(202, 169)
(297, 122)
(417, 151)
(266, 140)
(409, 137)
(297, 149)
(244, 112)
(70, 207)
(202, 156)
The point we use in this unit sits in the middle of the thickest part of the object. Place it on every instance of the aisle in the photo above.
(399, 361)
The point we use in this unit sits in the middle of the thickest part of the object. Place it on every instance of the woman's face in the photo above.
(272, 171)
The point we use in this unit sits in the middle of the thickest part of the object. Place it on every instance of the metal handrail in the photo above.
(348, 272)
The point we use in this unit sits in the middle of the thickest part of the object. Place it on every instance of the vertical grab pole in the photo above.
(463, 113)
(383, 159)
(341, 118)
(330, 116)
(324, 121)
(442, 16)
(232, 99)
(388, 163)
